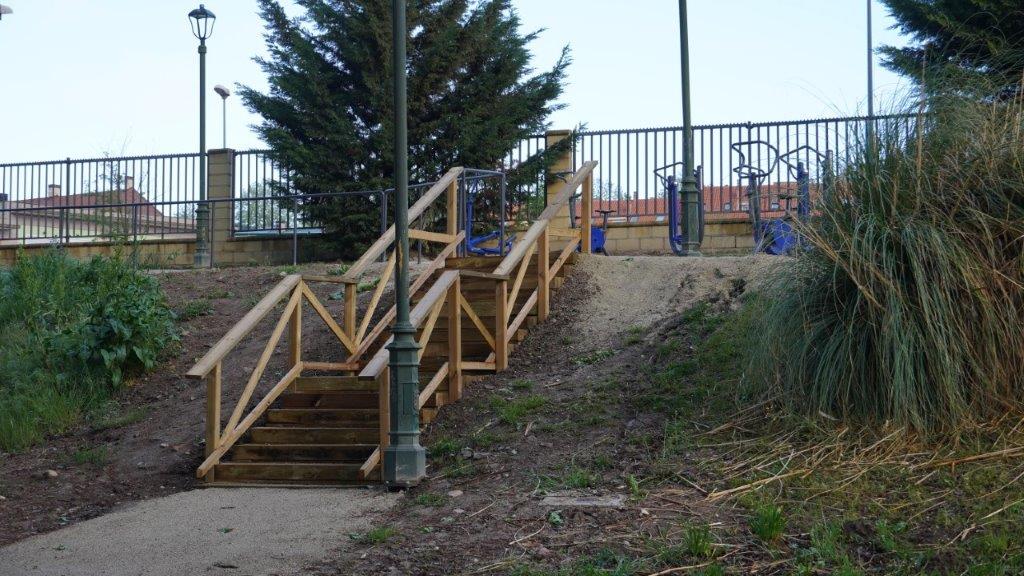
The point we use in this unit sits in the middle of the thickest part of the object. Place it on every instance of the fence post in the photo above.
(501, 326)
(220, 180)
(587, 209)
(212, 413)
(555, 183)
(543, 276)
(455, 341)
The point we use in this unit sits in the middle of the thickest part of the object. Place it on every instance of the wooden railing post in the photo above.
(351, 309)
(295, 333)
(453, 208)
(543, 276)
(587, 217)
(212, 412)
(501, 326)
(455, 341)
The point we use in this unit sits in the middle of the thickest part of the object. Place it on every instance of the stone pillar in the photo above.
(561, 171)
(220, 186)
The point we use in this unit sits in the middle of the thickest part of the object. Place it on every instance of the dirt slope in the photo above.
(559, 421)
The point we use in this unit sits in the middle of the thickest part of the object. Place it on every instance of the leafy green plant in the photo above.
(768, 523)
(71, 334)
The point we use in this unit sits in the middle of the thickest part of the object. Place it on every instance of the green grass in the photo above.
(594, 357)
(573, 478)
(376, 536)
(768, 523)
(908, 306)
(72, 334)
(698, 542)
(117, 418)
(514, 411)
(97, 456)
(430, 499)
(194, 309)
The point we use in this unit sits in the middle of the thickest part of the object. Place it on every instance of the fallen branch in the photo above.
(724, 493)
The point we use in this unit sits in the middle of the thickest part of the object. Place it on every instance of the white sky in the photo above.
(82, 78)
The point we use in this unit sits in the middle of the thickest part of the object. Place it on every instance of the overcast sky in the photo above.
(84, 78)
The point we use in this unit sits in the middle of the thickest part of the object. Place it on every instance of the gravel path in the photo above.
(241, 532)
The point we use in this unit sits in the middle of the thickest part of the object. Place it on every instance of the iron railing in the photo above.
(625, 179)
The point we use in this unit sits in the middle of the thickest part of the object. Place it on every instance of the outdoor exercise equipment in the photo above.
(678, 236)
(779, 236)
(493, 243)
(598, 235)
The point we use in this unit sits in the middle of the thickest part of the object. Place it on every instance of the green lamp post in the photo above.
(691, 196)
(405, 461)
(202, 21)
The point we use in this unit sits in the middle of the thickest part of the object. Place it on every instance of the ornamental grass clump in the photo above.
(908, 305)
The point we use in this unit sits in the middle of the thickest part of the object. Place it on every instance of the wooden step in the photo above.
(328, 400)
(313, 435)
(332, 384)
(287, 472)
(337, 453)
(356, 417)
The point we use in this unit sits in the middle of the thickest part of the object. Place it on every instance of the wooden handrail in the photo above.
(560, 201)
(418, 314)
(386, 239)
(243, 328)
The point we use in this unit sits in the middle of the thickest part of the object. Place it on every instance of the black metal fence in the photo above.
(627, 159)
(156, 196)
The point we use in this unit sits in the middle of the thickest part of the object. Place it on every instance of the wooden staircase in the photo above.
(327, 423)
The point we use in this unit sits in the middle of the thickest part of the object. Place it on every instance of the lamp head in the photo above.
(202, 21)
(222, 91)
(5, 10)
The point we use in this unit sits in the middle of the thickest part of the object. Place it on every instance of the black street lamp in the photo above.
(691, 196)
(5, 10)
(404, 461)
(202, 21)
(223, 92)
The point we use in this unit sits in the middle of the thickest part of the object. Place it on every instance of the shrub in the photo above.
(908, 303)
(71, 332)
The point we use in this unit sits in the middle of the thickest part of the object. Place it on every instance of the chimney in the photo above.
(129, 183)
(53, 190)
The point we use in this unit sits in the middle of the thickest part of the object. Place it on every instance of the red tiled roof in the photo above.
(93, 199)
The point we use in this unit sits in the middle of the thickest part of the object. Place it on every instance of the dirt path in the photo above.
(215, 531)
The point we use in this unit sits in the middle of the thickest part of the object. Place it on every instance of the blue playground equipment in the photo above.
(678, 236)
(493, 243)
(779, 236)
(598, 235)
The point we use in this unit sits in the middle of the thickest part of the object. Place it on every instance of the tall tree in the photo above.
(473, 96)
(977, 37)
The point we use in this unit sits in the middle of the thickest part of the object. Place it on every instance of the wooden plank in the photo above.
(567, 253)
(328, 319)
(557, 203)
(351, 310)
(416, 316)
(501, 326)
(455, 340)
(543, 276)
(483, 275)
(431, 387)
(388, 238)
(435, 265)
(371, 463)
(524, 313)
(464, 304)
(327, 279)
(261, 364)
(428, 329)
(385, 275)
(213, 390)
(332, 366)
(430, 236)
(510, 303)
(478, 366)
(295, 331)
(452, 205)
(243, 328)
(232, 436)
